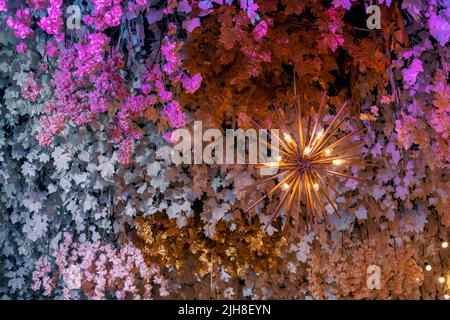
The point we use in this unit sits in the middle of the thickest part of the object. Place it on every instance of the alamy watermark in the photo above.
(374, 20)
(373, 280)
(238, 147)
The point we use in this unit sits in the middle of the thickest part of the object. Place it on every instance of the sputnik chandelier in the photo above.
(305, 163)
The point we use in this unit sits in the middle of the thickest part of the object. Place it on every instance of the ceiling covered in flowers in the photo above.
(92, 97)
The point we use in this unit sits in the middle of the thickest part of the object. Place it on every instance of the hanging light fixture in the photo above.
(307, 157)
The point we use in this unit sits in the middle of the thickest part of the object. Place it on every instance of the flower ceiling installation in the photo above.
(93, 95)
(305, 160)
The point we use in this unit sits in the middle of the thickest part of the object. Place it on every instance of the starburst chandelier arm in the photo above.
(263, 180)
(347, 148)
(281, 118)
(325, 182)
(308, 127)
(285, 179)
(315, 188)
(291, 144)
(255, 204)
(278, 208)
(334, 119)
(288, 166)
(361, 164)
(299, 124)
(317, 119)
(322, 189)
(309, 196)
(342, 174)
(299, 198)
(278, 149)
(296, 183)
(330, 159)
(326, 137)
(343, 139)
(269, 133)
(275, 136)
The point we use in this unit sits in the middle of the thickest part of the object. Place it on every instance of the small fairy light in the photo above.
(441, 279)
(444, 244)
(446, 296)
(328, 151)
(316, 186)
(307, 151)
(337, 162)
(285, 186)
(428, 267)
(319, 134)
(287, 137)
(272, 164)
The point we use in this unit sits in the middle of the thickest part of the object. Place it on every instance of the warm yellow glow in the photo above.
(316, 186)
(446, 296)
(428, 267)
(444, 244)
(285, 186)
(319, 134)
(272, 164)
(338, 162)
(441, 279)
(287, 137)
(328, 151)
(307, 151)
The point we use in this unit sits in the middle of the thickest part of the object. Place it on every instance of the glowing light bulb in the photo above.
(441, 279)
(287, 137)
(337, 162)
(428, 267)
(328, 151)
(272, 164)
(319, 134)
(316, 186)
(446, 296)
(307, 151)
(285, 186)
(444, 245)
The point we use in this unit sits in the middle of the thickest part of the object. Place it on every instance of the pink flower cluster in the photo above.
(169, 51)
(260, 30)
(3, 6)
(107, 13)
(125, 150)
(21, 47)
(41, 276)
(51, 50)
(82, 90)
(98, 271)
(52, 125)
(52, 24)
(30, 89)
(191, 84)
(174, 113)
(171, 137)
(89, 80)
(90, 54)
(21, 24)
(332, 38)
